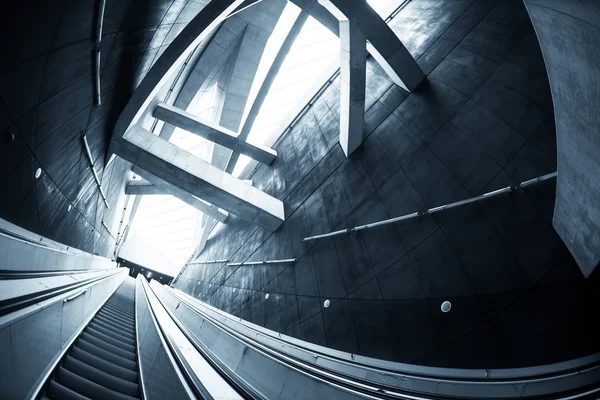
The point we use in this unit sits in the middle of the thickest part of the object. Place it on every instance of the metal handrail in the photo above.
(209, 262)
(74, 296)
(98, 45)
(263, 262)
(508, 189)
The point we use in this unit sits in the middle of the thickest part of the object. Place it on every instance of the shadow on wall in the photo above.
(569, 34)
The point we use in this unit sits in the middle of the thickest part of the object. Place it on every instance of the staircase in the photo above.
(102, 363)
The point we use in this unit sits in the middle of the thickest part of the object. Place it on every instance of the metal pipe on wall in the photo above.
(507, 189)
(89, 154)
(98, 44)
(264, 262)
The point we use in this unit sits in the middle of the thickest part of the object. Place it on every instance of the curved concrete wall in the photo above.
(482, 120)
(569, 35)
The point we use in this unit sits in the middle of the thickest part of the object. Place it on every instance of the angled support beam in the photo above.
(353, 73)
(266, 85)
(213, 132)
(182, 195)
(383, 44)
(145, 188)
(199, 178)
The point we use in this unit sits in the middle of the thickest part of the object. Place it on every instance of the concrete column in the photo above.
(199, 178)
(210, 131)
(384, 45)
(353, 69)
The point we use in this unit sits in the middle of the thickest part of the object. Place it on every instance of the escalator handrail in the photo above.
(232, 379)
(190, 382)
(13, 309)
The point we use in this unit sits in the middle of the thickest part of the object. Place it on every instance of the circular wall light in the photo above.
(326, 304)
(267, 296)
(446, 306)
(38, 173)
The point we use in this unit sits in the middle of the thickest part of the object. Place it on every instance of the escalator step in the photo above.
(128, 355)
(126, 321)
(114, 323)
(103, 365)
(108, 328)
(122, 311)
(120, 343)
(86, 387)
(116, 317)
(56, 391)
(106, 355)
(121, 338)
(102, 378)
(108, 310)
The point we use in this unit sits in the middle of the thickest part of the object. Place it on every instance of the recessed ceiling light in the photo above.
(38, 173)
(267, 296)
(326, 304)
(446, 306)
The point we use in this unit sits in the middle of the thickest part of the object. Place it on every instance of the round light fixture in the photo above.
(38, 173)
(326, 304)
(233, 290)
(69, 209)
(267, 296)
(446, 306)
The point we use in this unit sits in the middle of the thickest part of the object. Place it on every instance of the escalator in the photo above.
(102, 363)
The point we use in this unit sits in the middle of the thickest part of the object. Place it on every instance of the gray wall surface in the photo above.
(30, 344)
(482, 120)
(569, 34)
(46, 102)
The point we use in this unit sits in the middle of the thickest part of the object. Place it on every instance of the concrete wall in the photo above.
(482, 120)
(46, 102)
(569, 33)
(29, 345)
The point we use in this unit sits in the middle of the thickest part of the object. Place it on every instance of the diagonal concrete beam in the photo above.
(199, 178)
(213, 132)
(266, 85)
(353, 74)
(383, 44)
(182, 195)
(145, 188)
